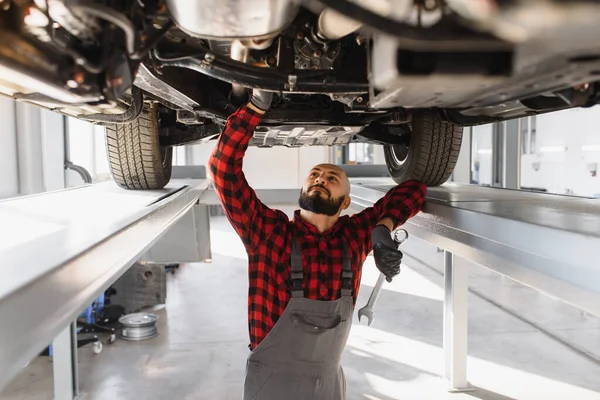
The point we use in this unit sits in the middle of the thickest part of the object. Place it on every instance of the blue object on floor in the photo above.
(93, 310)
(90, 314)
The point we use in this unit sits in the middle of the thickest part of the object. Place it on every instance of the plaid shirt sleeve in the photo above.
(399, 204)
(246, 213)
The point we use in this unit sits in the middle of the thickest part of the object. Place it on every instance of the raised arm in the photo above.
(250, 218)
(398, 205)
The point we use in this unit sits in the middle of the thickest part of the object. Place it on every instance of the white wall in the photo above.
(271, 168)
(378, 155)
(481, 153)
(31, 149)
(564, 172)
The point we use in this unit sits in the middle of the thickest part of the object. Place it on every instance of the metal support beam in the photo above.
(455, 324)
(497, 154)
(64, 361)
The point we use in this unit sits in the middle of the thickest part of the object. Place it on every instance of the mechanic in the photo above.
(304, 274)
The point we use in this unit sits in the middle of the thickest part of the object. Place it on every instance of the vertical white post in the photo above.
(30, 148)
(462, 171)
(9, 163)
(64, 360)
(456, 287)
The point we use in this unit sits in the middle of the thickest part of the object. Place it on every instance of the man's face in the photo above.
(326, 190)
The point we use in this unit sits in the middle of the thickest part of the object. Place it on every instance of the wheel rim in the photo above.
(400, 153)
(163, 155)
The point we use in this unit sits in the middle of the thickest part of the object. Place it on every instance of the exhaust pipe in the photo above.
(239, 52)
(333, 26)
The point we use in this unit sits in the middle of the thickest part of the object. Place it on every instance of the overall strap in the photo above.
(346, 272)
(297, 273)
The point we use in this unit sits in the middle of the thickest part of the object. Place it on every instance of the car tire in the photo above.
(137, 161)
(431, 155)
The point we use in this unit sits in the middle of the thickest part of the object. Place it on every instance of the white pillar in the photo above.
(462, 171)
(53, 148)
(64, 362)
(456, 289)
(30, 149)
(9, 164)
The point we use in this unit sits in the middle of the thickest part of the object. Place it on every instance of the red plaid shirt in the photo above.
(267, 233)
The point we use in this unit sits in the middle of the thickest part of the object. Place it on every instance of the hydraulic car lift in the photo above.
(548, 242)
(60, 250)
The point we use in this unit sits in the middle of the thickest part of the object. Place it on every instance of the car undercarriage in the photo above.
(406, 74)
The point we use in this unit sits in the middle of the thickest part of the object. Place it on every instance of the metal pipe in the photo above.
(332, 25)
(85, 175)
(110, 15)
(270, 79)
(414, 36)
(68, 164)
(239, 52)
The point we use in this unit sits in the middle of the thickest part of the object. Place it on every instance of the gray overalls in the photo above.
(299, 359)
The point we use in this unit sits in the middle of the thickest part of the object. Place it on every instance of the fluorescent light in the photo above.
(591, 147)
(553, 149)
(484, 151)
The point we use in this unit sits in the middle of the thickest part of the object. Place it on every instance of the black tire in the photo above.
(432, 153)
(136, 159)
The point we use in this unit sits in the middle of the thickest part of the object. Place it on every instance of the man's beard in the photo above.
(319, 205)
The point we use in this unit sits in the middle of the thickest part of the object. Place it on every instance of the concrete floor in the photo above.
(522, 345)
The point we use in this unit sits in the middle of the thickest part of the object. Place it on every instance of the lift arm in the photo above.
(548, 242)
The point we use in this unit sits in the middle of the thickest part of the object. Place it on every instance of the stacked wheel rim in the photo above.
(138, 326)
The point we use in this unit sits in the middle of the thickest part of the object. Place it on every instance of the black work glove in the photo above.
(261, 99)
(387, 256)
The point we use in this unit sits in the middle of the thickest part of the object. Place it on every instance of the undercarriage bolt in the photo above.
(359, 99)
(210, 57)
(300, 35)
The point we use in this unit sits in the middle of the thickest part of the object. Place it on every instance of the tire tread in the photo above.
(434, 150)
(134, 154)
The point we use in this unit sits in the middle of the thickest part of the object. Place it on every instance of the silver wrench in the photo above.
(367, 310)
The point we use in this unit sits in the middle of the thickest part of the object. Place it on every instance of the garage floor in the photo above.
(522, 345)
